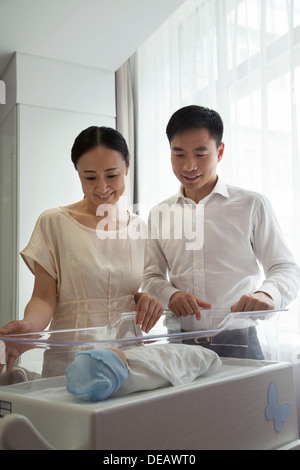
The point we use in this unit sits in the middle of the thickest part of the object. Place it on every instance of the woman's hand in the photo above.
(149, 310)
(13, 350)
(16, 327)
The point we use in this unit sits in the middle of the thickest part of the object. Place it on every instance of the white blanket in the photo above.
(156, 366)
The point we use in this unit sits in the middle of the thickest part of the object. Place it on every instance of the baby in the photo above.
(98, 374)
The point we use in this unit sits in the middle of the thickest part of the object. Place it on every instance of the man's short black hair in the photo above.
(193, 117)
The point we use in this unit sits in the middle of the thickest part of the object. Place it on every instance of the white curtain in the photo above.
(125, 123)
(242, 58)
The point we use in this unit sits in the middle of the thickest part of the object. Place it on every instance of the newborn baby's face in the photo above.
(121, 354)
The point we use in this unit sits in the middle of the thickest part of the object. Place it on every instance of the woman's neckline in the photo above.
(66, 211)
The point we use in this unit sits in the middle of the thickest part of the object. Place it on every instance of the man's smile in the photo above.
(191, 178)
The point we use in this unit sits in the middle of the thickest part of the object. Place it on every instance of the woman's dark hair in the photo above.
(193, 117)
(94, 136)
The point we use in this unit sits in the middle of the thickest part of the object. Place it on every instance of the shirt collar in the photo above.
(220, 188)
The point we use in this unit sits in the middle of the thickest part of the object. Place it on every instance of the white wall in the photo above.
(52, 101)
(8, 210)
(55, 84)
(47, 177)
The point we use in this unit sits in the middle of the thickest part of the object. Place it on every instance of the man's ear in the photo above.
(221, 150)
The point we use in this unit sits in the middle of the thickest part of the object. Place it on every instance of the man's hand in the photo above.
(182, 304)
(252, 302)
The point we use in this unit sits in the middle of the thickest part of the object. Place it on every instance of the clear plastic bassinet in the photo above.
(48, 353)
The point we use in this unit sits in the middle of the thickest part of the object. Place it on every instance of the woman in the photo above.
(87, 266)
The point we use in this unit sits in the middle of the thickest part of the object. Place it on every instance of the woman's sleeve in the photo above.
(41, 247)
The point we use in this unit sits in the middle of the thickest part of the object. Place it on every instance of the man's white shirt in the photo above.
(227, 245)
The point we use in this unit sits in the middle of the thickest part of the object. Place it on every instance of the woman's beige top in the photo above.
(97, 272)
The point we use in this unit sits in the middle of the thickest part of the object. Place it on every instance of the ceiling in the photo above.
(96, 33)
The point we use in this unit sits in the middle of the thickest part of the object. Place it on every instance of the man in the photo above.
(236, 234)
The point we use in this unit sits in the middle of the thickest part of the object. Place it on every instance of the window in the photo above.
(241, 57)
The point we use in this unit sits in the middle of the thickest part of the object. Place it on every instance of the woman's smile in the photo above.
(104, 197)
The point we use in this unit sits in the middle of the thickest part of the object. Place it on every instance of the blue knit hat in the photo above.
(95, 375)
